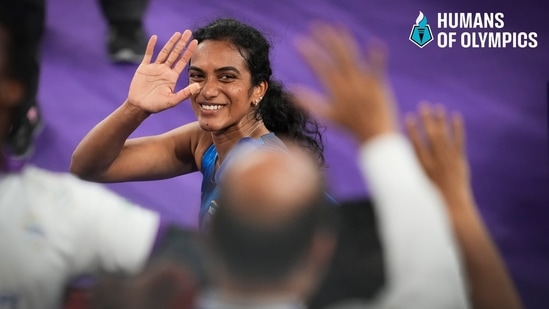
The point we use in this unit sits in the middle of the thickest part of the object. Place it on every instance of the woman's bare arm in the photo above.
(106, 155)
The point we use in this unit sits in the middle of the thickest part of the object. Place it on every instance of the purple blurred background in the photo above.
(501, 92)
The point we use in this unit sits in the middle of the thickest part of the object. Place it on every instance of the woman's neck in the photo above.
(226, 140)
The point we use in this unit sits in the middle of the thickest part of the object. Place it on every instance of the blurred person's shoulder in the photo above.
(34, 185)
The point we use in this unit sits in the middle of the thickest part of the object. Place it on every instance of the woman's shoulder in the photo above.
(195, 139)
(190, 134)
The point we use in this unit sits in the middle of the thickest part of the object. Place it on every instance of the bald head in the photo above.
(271, 206)
(267, 187)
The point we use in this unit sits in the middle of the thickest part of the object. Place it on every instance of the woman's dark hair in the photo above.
(277, 109)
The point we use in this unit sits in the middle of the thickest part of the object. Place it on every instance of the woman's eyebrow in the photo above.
(222, 69)
(192, 67)
(228, 68)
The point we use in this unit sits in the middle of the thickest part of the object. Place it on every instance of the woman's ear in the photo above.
(260, 90)
(11, 93)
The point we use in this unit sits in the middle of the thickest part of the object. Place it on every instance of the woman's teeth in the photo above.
(211, 107)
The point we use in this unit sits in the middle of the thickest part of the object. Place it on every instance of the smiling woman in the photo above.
(226, 99)
(233, 97)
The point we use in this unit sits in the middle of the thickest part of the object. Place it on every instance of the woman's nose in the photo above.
(209, 89)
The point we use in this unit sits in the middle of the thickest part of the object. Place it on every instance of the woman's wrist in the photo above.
(135, 112)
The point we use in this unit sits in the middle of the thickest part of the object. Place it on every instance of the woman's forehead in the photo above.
(217, 54)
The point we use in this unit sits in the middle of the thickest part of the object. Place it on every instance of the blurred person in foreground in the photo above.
(162, 284)
(55, 227)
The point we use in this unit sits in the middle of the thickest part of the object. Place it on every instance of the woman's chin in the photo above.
(209, 126)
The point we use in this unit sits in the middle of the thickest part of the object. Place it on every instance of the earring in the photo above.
(257, 101)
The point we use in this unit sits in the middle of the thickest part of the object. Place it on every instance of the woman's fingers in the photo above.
(179, 48)
(185, 93)
(149, 50)
(167, 49)
(175, 52)
(186, 57)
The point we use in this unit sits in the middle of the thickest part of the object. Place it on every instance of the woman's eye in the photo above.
(195, 76)
(226, 77)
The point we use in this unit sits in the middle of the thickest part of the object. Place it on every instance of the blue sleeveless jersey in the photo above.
(211, 177)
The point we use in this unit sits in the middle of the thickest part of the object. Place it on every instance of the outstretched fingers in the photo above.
(339, 45)
(186, 57)
(438, 141)
(420, 147)
(175, 53)
(441, 124)
(149, 50)
(458, 132)
(177, 49)
(311, 53)
(377, 58)
(330, 52)
(434, 124)
(166, 51)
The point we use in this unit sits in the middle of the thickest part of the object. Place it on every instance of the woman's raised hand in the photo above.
(153, 85)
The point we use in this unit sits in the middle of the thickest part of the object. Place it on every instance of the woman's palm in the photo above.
(153, 85)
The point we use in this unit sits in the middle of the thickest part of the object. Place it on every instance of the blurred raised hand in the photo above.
(439, 143)
(358, 96)
(439, 146)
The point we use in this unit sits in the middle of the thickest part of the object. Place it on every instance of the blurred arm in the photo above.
(422, 260)
(439, 144)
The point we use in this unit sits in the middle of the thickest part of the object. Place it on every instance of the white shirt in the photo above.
(54, 227)
(422, 260)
